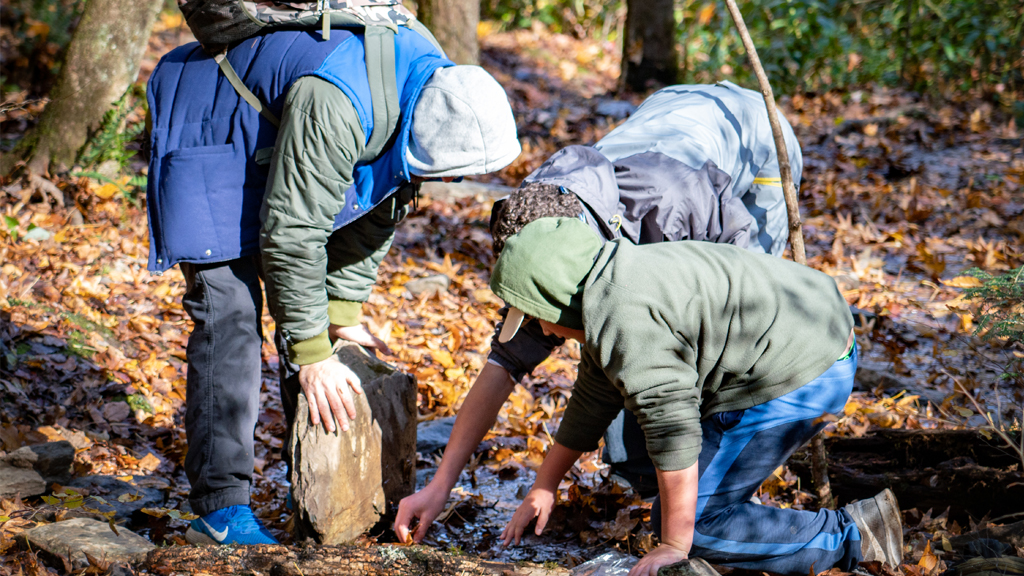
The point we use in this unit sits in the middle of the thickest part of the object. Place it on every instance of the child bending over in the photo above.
(727, 359)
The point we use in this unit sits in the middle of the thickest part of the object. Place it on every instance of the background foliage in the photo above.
(943, 45)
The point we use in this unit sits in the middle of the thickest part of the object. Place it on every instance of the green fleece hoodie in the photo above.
(676, 331)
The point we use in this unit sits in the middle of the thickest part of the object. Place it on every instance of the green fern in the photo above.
(110, 142)
(1000, 301)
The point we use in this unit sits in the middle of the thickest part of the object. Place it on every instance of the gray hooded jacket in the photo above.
(728, 126)
(657, 177)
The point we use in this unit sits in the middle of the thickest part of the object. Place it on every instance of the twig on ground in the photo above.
(998, 429)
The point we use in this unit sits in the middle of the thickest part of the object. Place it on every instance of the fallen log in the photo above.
(1012, 534)
(343, 560)
(927, 469)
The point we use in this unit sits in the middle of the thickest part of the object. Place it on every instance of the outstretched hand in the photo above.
(537, 504)
(360, 335)
(328, 385)
(663, 555)
(424, 505)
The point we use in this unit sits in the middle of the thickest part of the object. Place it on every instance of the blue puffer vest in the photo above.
(205, 184)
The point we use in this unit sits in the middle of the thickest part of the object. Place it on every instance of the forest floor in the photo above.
(901, 194)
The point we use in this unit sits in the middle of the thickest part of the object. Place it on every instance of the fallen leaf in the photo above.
(929, 561)
(107, 191)
(149, 462)
(963, 282)
(443, 358)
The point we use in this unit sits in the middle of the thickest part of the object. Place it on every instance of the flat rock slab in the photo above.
(342, 481)
(30, 469)
(81, 536)
(141, 492)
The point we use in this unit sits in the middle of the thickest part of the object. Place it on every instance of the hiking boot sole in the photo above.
(882, 538)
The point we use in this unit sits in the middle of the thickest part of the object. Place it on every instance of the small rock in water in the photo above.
(30, 469)
(617, 109)
(429, 285)
(432, 435)
(81, 536)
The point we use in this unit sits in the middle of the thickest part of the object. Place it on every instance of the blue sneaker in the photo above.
(231, 525)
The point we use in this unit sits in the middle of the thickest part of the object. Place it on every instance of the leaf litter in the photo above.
(900, 196)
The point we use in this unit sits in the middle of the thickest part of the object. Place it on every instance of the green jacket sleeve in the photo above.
(319, 142)
(653, 368)
(354, 254)
(594, 403)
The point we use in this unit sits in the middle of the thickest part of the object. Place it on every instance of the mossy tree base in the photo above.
(102, 61)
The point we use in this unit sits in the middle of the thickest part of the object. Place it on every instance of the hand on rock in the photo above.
(663, 555)
(360, 335)
(328, 385)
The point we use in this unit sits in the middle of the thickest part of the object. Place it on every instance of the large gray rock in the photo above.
(14, 480)
(341, 481)
(81, 536)
(142, 492)
(31, 469)
(432, 435)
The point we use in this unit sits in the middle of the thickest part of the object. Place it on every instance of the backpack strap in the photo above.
(379, 44)
(382, 76)
(243, 90)
(419, 28)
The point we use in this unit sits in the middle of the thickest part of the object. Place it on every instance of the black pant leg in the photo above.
(626, 446)
(290, 388)
(225, 301)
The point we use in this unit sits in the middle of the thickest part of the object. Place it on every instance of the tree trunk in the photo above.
(453, 23)
(649, 44)
(102, 61)
(345, 560)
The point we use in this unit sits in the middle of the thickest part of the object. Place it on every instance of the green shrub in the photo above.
(579, 17)
(949, 45)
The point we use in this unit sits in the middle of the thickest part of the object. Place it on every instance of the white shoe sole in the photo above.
(193, 536)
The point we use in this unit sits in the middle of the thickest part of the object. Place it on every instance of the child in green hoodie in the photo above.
(727, 358)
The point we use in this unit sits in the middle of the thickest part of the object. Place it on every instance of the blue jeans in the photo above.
(739, 450)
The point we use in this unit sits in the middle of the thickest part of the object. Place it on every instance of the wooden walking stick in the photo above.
(819, 464)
